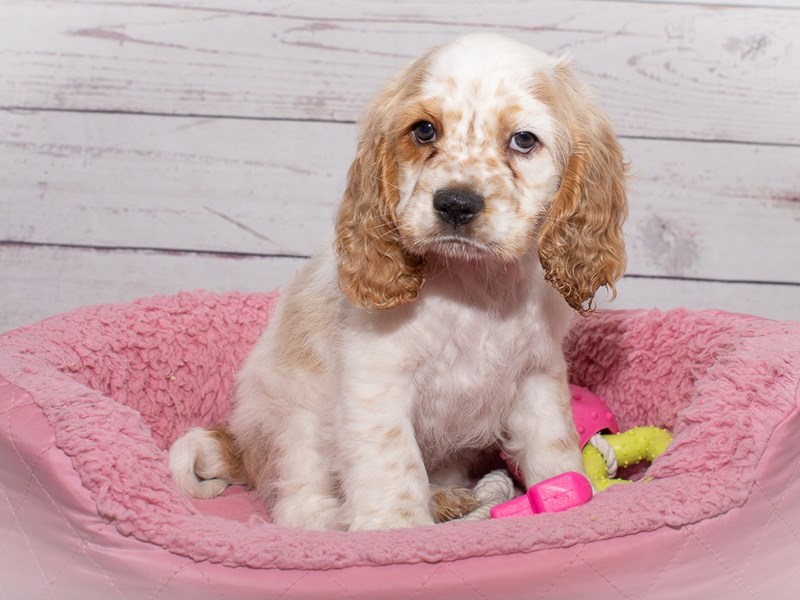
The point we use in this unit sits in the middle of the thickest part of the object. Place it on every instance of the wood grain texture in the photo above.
(152, 147)
(793, 4)
(662, 70)
(42, 281)
(267, 187)
(778, 302)
(727, 211)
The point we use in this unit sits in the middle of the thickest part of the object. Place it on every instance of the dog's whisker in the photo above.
(383, 181)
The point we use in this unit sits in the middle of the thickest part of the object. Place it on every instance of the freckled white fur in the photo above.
(474, 77)
(411, 396)
(476, 360)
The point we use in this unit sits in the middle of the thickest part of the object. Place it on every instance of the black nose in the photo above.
(457, 206)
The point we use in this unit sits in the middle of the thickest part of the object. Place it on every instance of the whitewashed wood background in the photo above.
(151, 147)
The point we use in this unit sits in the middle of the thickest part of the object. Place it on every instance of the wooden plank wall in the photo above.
(147, 148)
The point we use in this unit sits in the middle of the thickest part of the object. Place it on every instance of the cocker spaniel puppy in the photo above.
(483, 208)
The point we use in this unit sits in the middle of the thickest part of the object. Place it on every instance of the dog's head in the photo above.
(481, 150)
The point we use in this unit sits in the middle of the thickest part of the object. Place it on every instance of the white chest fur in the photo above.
(460, 350)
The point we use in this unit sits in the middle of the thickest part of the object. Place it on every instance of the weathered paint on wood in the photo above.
(147, 148)
(39, 281)
(727, 211)
(781, 302)
(662, 70)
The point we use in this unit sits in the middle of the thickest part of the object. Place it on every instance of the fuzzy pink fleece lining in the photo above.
(119, 383)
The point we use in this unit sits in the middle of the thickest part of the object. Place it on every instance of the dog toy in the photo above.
(551, 495)
(603, 454)
(494, 488)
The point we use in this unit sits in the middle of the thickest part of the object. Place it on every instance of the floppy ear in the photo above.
(581, 246)
(375, 272)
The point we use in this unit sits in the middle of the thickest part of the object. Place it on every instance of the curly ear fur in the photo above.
(581, 246)
(375, 272)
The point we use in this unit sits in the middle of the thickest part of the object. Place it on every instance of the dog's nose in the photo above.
(457, 206)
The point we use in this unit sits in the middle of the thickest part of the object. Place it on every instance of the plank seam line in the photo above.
(267, 119)
(242, 254)
(150, 249)
(712, 279)
(141, 113)
(701, 4)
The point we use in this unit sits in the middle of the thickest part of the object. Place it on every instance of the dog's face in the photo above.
(476, 156)
(483, 149)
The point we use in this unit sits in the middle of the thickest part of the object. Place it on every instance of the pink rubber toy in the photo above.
(551, 495)
(590, 413)
(591, 416)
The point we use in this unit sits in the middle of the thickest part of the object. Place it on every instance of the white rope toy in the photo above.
(609, 456)
(494, 488)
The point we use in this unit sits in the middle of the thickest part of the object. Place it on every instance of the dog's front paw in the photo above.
(308, 511)
(396, 519)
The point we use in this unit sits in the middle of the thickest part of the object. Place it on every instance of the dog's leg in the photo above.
(541, 431)
(304, 490)
(383, 476)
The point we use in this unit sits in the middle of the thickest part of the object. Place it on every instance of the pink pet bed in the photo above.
(92, 399)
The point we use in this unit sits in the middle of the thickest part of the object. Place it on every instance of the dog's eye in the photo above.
(424, 132)
(524, 141)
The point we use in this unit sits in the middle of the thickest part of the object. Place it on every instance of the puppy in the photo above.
(484, 208)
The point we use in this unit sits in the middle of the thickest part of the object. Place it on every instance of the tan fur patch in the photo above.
(258, 464)
(409, 152)
(390, 438)
(452, 503)
(375, 271)
(581, 245)
(406, 514)
(394, 433)
(405, 497)
(563, 446)
(230, 454)
(299, 320)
